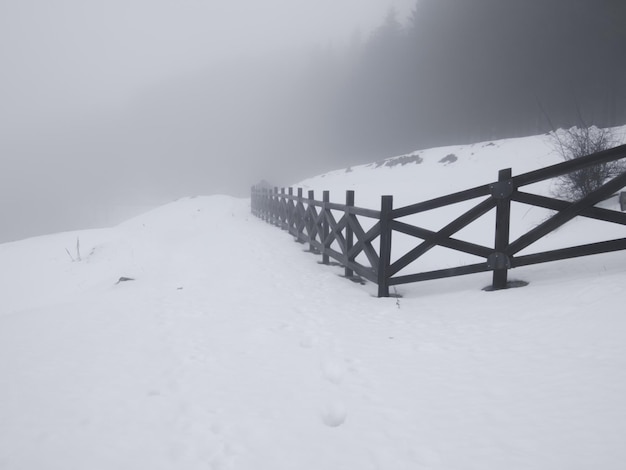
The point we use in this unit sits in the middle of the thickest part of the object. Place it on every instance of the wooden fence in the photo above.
(343, 238)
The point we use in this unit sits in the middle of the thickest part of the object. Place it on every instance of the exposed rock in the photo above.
(450, 158)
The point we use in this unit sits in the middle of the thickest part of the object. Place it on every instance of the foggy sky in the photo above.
(111, 107)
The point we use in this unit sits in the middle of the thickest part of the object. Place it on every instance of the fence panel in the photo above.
(344, 238)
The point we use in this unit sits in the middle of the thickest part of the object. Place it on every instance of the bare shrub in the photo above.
(77, 257)
(575, 143)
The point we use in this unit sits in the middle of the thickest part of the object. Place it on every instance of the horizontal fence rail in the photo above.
(345, 232)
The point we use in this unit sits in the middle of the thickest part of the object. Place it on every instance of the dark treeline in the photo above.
(455, 71)
(470, 70)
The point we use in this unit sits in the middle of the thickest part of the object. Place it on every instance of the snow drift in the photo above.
(234, 349)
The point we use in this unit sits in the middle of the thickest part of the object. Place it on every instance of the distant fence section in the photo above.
(344, 232)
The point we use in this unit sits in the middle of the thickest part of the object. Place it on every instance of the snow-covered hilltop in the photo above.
(432, 173)
(232, 348)
(429, 173)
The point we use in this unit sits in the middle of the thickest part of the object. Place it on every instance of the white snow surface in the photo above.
(233, 348)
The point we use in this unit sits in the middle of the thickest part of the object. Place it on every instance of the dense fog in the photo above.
(112, 108)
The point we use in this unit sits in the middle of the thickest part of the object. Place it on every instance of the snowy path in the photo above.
(234, 349)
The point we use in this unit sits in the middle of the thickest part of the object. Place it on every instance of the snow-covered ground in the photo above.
(233, 348)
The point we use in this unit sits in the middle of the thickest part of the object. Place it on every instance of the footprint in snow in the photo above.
(333, 370)
(334, 414)
(225, 457)
(308, 341)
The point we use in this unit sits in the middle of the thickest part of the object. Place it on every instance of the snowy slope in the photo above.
(431, 173)
(234, 349)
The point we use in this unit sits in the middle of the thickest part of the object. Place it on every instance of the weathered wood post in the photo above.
(255, 196)
(499, 261)
(252, 199)
(309, 220)
(325, 227)
(267, 204)
(290, 211)
(301, 216)
(282, 209)
(275, 207)
(262, 203)
(386, 206)
(349, 233)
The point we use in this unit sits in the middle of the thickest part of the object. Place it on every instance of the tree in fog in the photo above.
(470, 70)
(373, 94)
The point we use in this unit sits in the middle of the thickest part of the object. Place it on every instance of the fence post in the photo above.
(309, 220)
(499, 260)
(290, 211)
(386, 206)
(325, 226)
(276, 208)
(252, 199)
(349, 233)
(268, 205)
(300, 220)
(282, 210)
